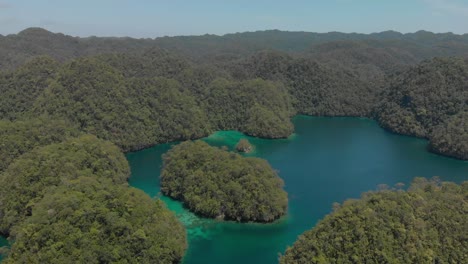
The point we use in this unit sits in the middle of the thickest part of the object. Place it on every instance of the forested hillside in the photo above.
(21, 88)
(426, 224)
(25, 181)
(157, 99)
(429, 100)
(133, 113)
(425, 96)
(451, 137)
(138, 99)
(16, 49)
(20, 137)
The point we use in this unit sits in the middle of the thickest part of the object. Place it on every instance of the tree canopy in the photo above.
(132, 113)
(90, 220)
(26, 180)
(425, 96)
(256, 107)
(20, 137)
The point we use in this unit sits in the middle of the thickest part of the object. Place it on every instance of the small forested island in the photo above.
(244, 146)
(426, 224)
(219, 184)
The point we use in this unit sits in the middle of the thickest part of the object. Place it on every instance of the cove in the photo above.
(327, 160)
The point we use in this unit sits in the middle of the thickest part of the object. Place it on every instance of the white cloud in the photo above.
(449, 7)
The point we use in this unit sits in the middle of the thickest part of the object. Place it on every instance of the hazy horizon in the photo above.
(231, 33)
(150, 19)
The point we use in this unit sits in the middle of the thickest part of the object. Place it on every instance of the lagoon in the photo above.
(327, 160)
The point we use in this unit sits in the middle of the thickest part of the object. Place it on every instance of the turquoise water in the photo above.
(327, 160)
(3, 242)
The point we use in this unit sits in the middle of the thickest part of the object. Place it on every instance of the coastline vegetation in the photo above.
(426, 224)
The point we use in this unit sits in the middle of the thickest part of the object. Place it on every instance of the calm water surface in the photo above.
(327, 160)
(3, 242)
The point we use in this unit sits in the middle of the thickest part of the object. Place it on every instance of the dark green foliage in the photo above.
(267, 65)
(132, 113)
(151, 63)
(93, 221)
(134, 107)
(323, 91)
(426, 97)
(172, 112)
(451, 137)
(26, 179)
(19, 89)
(256, 107)
(219, 184)
(264, 123)
(244, 146)
(20, 137)
(317, 89)
(92, 95)
(369, 57)
(426, 224)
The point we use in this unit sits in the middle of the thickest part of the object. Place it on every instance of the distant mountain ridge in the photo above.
(16, 49)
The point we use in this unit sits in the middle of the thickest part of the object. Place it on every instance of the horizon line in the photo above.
(240, 32)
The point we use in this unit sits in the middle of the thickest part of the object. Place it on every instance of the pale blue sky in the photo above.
(146, 18)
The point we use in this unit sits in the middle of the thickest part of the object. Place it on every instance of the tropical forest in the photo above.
(270, 146)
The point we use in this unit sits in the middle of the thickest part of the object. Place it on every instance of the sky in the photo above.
(150, 19)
